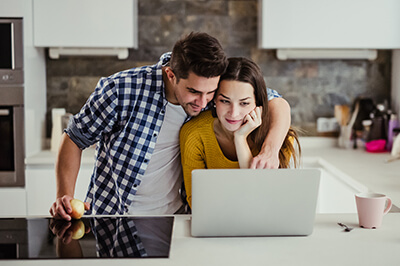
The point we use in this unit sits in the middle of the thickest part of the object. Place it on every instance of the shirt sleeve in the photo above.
(97, 117)
(192, 156)
(272, 94)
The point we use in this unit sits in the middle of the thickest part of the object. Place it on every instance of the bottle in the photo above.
(396, 143)
(393, 123)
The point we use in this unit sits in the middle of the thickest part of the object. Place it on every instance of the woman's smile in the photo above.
(233, 122)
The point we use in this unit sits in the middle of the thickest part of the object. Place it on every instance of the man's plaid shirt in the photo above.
(123, 116)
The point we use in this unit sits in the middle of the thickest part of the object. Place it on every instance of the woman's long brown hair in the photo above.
(244, 70)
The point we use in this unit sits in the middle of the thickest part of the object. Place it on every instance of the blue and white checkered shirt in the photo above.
(123, 116)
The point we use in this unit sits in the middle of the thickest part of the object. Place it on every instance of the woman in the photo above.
(232, 132)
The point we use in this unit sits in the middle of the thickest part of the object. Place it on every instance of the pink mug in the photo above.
(371, 208)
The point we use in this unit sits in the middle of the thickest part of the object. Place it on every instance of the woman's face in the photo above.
(234, 100)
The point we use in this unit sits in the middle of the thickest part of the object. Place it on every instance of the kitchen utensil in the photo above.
(342, 113)
(345, 115)
(346, 228)
(57, 130)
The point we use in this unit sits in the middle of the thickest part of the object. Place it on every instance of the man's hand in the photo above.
(62, 230)
(61, 208)
(265, 160)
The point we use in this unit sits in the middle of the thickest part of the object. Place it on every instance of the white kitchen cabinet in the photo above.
(95, 24)
(12, 202)
(41, 188)
(329, 24)
(12, 8)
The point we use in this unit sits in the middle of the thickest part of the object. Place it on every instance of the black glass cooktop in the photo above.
(91, 237)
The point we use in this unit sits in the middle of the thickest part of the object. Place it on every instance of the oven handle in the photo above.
(4, 112)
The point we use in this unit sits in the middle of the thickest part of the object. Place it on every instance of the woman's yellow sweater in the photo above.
(200, 149)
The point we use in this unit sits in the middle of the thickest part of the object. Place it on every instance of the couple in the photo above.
(233, 131)
(135, 117)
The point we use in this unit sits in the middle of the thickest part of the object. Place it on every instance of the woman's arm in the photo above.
(280, 120)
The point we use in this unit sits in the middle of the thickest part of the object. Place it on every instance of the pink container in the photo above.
(378, 145)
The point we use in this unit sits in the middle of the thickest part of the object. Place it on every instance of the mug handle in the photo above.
(388, 207)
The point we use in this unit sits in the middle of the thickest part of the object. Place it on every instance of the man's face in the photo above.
(194, 93)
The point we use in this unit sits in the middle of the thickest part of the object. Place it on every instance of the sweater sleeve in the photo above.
(192, 155)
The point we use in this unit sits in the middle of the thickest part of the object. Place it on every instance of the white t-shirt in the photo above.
(158, 192)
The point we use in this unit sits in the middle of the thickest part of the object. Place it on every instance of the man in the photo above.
(135, 116)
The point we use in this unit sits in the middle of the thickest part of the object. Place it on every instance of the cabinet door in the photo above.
(12, 8)
(329, 24)
(41, 188)
(85, 23)
(12, 202)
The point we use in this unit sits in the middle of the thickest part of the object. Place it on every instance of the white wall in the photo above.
(35, 86)
(34, 75)
(395, 103)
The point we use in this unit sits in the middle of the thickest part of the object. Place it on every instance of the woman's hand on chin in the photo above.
(250, 122)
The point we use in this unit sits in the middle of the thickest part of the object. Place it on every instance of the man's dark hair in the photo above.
(199, 53)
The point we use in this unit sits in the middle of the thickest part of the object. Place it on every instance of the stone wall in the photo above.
(312, 87)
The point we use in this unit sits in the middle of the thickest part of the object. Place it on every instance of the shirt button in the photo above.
(162, 112)
(146, 161)
(134, 185)
(155, 135)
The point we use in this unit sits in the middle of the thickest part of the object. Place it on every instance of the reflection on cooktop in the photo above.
(91, 237)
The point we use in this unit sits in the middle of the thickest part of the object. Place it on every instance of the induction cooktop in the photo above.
(89, 237)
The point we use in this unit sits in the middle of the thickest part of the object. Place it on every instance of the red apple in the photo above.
(78, 208)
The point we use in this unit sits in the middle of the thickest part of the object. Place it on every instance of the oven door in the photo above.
(12, 170)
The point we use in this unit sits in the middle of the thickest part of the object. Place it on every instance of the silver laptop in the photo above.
(247, 202)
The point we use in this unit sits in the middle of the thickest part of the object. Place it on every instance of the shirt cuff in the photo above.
(76, 136)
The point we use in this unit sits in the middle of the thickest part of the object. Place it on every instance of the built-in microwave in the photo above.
(11, 51)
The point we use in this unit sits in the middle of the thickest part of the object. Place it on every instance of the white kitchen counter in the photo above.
(370, 169)
(48, 158)
(328, 245)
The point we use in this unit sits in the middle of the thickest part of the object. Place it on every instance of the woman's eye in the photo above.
(224, 101)
(244, 104)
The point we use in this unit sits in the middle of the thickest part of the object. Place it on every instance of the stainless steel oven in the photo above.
(13, 238)
(12, 167)
(12, 148)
